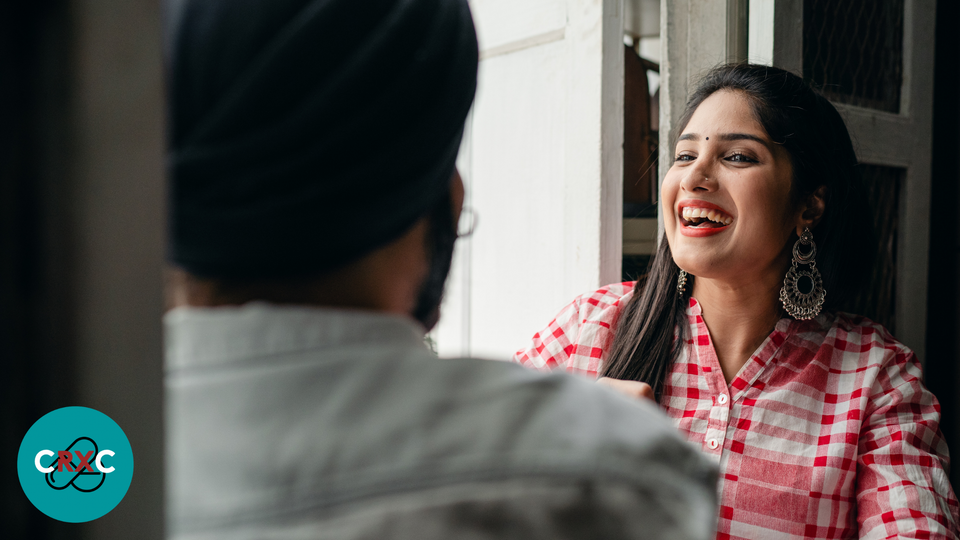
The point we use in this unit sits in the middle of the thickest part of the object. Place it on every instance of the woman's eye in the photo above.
(684, 157)
(741, 158)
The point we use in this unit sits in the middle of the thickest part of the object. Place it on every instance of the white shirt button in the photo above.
(713, 444)
(722, 399)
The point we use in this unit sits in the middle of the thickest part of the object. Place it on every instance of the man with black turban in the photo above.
(313, 203)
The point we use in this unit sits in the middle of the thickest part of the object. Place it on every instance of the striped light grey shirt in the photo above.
(303, 423)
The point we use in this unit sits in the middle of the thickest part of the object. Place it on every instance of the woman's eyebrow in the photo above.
(728, 137)
(743, 136)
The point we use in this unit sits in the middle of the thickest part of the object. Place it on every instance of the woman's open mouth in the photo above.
(700, 218)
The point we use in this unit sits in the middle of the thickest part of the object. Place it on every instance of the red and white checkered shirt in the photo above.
(826, 432)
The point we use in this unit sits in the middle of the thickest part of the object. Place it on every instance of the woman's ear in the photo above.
(812, 210)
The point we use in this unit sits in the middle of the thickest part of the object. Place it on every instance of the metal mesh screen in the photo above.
(853, 50)
(877, 299)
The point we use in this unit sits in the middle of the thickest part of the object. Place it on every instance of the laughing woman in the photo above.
(818, 419)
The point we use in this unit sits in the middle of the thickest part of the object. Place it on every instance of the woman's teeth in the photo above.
(690, 213)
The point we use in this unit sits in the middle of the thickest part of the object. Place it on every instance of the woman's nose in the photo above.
(700, 177)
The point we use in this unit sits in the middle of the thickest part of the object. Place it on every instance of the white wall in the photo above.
(542, 163)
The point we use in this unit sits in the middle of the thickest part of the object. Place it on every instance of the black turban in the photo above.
(304, 134)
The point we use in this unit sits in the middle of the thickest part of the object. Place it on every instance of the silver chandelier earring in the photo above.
(802, 293)
(682, 282)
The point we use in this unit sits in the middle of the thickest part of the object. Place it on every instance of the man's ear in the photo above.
(813, 210)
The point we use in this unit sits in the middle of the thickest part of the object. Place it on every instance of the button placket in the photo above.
(718, 415)
(719, 422)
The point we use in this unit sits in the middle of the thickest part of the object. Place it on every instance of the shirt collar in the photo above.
(206, 337)
(823, 320)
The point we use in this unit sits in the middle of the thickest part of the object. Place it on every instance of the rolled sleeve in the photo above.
(903, 490)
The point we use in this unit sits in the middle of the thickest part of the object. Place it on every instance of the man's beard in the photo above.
(442, 237)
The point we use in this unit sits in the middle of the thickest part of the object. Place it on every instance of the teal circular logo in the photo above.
(75, 464)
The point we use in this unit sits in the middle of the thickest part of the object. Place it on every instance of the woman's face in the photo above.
(727, 208)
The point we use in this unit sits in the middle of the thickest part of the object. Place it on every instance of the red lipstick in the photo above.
(686, 227)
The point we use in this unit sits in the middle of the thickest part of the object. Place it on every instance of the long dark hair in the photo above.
(652, 326)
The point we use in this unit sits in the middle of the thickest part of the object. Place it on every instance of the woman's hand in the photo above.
(634, 389)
